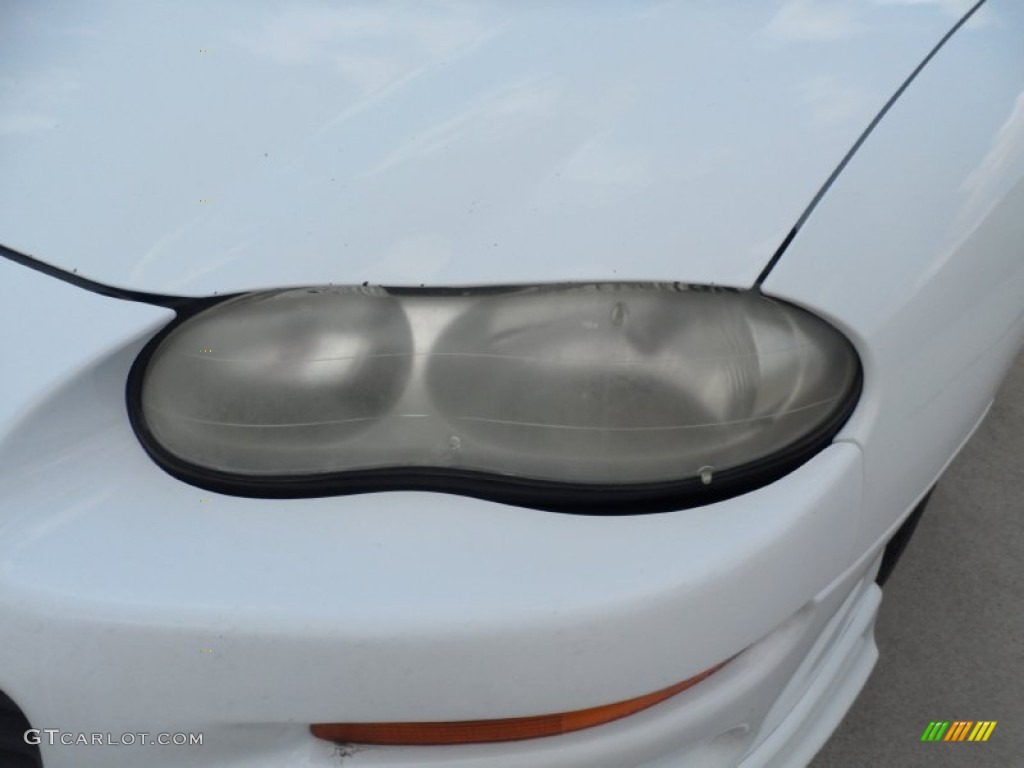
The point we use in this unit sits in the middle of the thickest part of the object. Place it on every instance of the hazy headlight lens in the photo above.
(645, 390)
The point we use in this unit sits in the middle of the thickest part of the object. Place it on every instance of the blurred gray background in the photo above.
(951, 628)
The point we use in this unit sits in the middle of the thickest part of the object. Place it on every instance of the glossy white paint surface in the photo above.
(130, 601)
(917, 252)
(442, 143)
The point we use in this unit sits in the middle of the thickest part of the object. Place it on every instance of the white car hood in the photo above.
(242, 145)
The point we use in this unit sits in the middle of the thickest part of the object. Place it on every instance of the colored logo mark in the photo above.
(958, 730)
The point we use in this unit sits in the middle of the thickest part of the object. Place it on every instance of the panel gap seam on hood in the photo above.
(857, 144)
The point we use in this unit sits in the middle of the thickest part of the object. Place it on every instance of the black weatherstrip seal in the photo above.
(857, 144)
(547, 495)
(73, 278)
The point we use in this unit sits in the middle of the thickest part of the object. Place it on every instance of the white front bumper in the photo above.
(773, 705)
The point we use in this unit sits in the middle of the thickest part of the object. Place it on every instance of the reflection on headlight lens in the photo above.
(634, 385)
(278, 382)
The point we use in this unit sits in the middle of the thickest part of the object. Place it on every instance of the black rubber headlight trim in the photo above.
(565, 497)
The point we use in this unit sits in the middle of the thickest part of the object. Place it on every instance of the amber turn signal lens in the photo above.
(509, 729)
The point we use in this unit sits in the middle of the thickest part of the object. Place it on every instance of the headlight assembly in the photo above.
(592, 398)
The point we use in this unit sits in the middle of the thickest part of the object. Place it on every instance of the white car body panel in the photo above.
(130, 601)
(141, 574)
(446, 144)
(917, 253)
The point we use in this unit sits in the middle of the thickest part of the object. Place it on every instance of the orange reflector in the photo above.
(509, 729)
